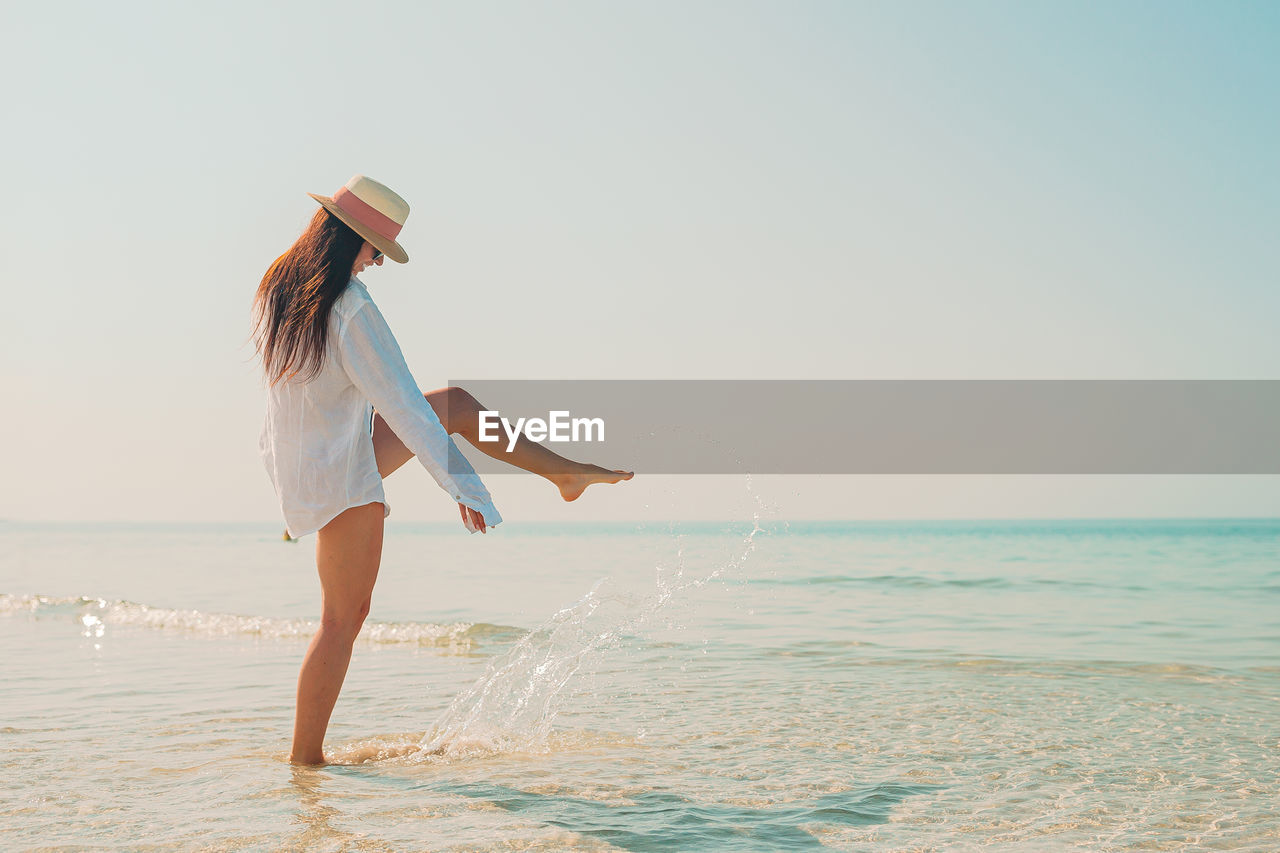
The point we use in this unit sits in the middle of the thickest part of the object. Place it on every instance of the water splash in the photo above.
(513, 705)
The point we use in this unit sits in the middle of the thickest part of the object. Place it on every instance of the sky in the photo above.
(809, 190)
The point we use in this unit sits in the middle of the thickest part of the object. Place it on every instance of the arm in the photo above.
(372, 360)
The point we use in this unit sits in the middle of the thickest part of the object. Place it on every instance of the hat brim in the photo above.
(390, 248)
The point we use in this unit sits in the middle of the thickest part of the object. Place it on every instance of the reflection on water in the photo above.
(661, 820)
(317, 820)
(657, 819)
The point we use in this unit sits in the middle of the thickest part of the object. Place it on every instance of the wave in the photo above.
(907, 580)
(903, 581)
(913, 581)
(1063, 668)
(96, 615)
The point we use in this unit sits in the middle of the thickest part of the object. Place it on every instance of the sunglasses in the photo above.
(377, 255)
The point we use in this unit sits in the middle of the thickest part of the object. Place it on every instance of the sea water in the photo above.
(765, 685)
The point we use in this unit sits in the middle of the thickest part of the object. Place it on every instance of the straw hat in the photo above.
(371, 210)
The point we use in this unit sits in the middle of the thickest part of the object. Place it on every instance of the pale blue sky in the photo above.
(648, 190)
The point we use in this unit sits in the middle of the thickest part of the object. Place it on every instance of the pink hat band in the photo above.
(366, 214)
(373, 211)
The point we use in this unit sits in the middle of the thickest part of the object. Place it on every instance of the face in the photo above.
(368, 257)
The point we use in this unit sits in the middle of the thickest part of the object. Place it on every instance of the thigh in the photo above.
(388, 449)
(348, 553)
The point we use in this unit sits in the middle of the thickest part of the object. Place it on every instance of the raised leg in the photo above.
(348, 553)
(460, 414)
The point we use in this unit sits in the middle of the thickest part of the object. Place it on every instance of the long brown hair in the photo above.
(292, 305)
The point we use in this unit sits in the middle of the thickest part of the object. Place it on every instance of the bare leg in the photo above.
(460, 414)
(348, 553)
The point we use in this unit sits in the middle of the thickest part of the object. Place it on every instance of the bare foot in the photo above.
(573, 485)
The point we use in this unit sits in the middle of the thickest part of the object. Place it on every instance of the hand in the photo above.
(472, 519)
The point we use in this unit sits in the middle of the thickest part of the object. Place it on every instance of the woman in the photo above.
(343, 412)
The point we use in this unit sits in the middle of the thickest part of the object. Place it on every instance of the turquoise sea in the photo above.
(1025, 685)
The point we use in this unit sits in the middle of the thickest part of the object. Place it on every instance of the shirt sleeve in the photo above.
(372, 360)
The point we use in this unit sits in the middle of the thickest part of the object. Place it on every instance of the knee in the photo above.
(344, 622)
(461, 410)
(461, 400)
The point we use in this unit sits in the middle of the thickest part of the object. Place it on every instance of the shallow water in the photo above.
(896, 686)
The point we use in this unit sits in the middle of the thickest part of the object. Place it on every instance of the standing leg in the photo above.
(460, 414)
(348, 553)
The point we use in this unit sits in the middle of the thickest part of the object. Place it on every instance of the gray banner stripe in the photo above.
(906, 426)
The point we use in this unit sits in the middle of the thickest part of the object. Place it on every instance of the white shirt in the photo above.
(317, 437)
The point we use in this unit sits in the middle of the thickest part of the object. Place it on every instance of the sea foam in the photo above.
(97, 615)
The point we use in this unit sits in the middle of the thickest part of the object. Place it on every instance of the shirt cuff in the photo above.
(485, 508)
